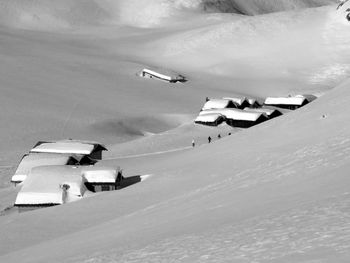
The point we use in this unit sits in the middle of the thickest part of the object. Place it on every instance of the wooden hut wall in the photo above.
(245, 123)
(101, 187)
(289, 106)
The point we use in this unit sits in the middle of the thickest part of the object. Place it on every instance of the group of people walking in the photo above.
(209, 139)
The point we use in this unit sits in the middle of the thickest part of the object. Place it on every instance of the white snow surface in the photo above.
(276, 192)
(37, 159)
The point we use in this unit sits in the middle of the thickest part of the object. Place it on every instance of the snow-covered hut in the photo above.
(241, 102)
(238, 118)
(210, 119)
(218, 104)
(51, 185)
(100, 178)
(93, 150)
(270, 113)
(29, 161)
(244, 119)
(162, 74)
(290, 103)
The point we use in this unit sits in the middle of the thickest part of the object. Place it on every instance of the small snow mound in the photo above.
(145, 177)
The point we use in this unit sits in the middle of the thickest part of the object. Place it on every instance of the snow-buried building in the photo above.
(241, 102)
(100, 178)
(92, 150)
(291, 102)
(59, 184)
(238, 118)
(270, 113)
(51, 185)
(219, 104)
(210, 119)
(29, 161)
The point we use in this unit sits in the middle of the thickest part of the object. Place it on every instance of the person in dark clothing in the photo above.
(209, 139)
(193, 143)
(219, 136)
(206, 99)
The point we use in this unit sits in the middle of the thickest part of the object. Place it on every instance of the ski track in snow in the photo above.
(314, 228)
(318, 227)
(147, 154)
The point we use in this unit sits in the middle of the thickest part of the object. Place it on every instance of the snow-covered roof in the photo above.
(252, 101)
(96, 144)
(32, 160)
(309, 97)
(285, 100)
(164, 73)
(68, 146)
(235, 114)
(267, 111)
(64, 147)
(209, 117)
(238, 101)
(216, 104)
(43, 185)
(99, 174)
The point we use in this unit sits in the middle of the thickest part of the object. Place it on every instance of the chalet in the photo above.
(50, 185)
(30, 161)
(244, 119)
(238, 118)
(98, 178)
(241, 102)
(162, 74)
(270, 113)
(210, 119)
(290, 103)
(218, 104)
(93, 150)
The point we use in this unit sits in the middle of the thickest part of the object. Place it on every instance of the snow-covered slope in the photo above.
(266, 198)
(255, 7)
(277, 192)
(269, 46)
(58, 14)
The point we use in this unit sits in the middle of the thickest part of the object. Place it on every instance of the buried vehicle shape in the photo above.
(93, 150)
